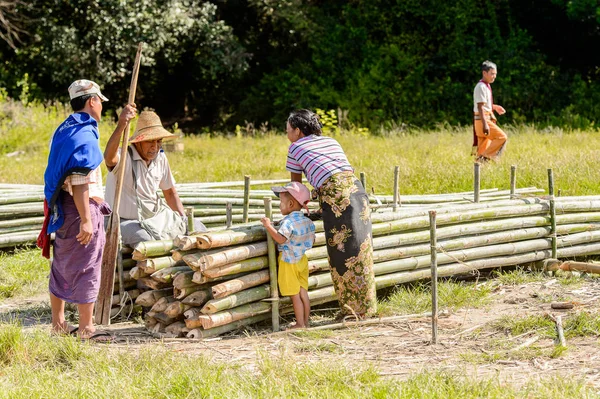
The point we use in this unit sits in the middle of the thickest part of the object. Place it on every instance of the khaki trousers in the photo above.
(489, 146)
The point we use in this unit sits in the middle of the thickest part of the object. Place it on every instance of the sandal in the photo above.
(98, 336)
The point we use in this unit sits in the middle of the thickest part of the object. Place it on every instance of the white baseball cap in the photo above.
(82, 87)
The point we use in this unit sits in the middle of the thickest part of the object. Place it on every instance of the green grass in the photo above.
(440, 155)
(416, 298)
(579, 324)
(23, 273)
(518, 276)
(36, 365)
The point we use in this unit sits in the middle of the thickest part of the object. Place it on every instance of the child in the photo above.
(490, 139)
(295, 236)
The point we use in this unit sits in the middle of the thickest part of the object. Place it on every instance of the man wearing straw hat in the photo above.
(144, 215)
(74, 207)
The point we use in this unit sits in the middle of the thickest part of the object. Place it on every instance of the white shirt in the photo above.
(482, 94)
(150, 178)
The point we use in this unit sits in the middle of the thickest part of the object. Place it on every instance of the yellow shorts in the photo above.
(292, 276)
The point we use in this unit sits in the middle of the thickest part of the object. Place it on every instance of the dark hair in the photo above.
(305, 120)
(487, 65)
(78, 103)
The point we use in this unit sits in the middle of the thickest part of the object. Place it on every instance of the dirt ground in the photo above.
(468, 341)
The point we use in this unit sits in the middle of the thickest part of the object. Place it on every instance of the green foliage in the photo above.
(404, 63)
(97, 40)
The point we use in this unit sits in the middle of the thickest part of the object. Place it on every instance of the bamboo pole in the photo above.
(197, 298)
(396, 189)
(476, 181)
(240, 298)
(113, 232)
(247, 265)
(552, 212)
(550, 183)
(152, 249)
(241, 283)
(161, 304)
(513, 180)
(198, 333)
(182, 293)
(215, 258)
(228, 214)
(272, 256)
(229, 237)
(149, 298)
(434, 298)
(189, 212)
(580, 266)
(246, 198)
(184, 279)
(175, 309)
(152, 265)
(229, 316)
(168, 274)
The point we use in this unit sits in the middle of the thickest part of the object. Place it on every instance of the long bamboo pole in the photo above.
(434, 278)
(272, 271)
(113, 233)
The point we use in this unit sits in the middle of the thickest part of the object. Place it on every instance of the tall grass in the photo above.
(36, 365)
(430, 161)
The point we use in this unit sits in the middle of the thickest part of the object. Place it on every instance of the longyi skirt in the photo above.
(347, 223)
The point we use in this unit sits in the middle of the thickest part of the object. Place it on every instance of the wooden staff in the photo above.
(113, 232)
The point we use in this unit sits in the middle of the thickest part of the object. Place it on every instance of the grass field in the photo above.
(35, 365)
(435, 161)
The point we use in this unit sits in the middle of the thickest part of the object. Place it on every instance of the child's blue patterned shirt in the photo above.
(300, 233)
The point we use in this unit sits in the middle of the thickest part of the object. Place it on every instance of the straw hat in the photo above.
(149, 128)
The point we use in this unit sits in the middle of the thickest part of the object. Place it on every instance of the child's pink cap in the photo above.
(298, 190)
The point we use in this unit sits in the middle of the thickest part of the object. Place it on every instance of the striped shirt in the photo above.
(300, 233)
(318, 157)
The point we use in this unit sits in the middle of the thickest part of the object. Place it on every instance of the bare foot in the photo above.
(295, 326)
(64, 329)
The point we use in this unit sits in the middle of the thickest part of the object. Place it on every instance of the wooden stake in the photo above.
(246, 198)
(513, 180)
(363, 180)
(559, 331)
(229, 214)
(189, 212)
(272, 270)
(113, 232)
(552, 213)
(476, 182)
(396, 193)
(434, 298)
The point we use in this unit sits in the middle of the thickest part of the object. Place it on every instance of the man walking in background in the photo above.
(490, 139)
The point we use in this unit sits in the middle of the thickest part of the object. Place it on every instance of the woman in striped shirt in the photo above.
(345, 206)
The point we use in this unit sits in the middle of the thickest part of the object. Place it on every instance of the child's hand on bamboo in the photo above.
(266, 222)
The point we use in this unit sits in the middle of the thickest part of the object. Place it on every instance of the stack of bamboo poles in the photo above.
(211, 283)
(21, 206)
